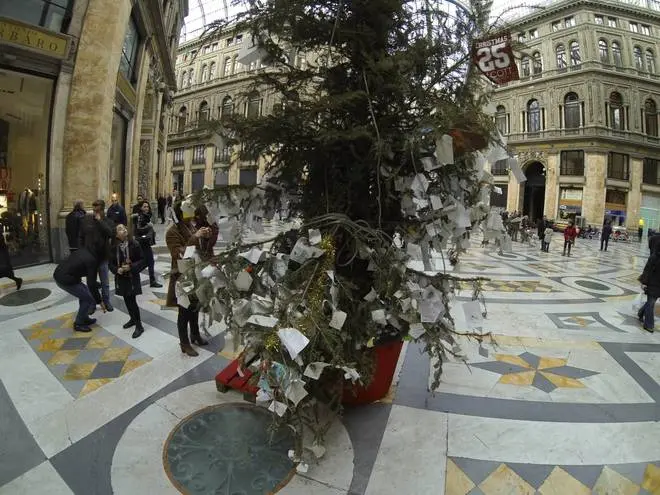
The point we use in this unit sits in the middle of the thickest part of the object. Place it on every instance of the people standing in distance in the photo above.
(83, 262)
(146, 236)
(540, 230)
(116, 212)
(650, 280)
(137, 206)
(6, 268)
(605, 235)
(640, 229)
(188, 232)
(570, 233)
(162, 202)
(73, 224)
(126, 262)
(96, 233)
(547, 237)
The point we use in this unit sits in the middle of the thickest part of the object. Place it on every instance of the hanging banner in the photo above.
(494, 58)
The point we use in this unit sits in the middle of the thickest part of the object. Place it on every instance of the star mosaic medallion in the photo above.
(82, 362)
(543, 373)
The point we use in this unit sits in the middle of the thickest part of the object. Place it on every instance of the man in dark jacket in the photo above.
(605, 235)
(650, 280)
(137, 206)
(541, 225)
(97, 234)
(73, 223)
(116, 212)
(162, 202)
(68, 277)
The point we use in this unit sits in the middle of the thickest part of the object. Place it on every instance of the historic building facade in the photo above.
(84, 93)
(583, 118)
(213, 83)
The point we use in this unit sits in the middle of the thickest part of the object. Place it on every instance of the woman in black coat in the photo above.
(126, 262)
(650, 279)
(146, 236)
(6, 270)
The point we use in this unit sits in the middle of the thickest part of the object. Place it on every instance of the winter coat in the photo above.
(570, 233)
(144, 230)
(117, 214)
(607, 232)
(127, 284)
(540, 227)
(81, 263)
(547, 235)
(73, 225)
(96, 234)
(650, 277)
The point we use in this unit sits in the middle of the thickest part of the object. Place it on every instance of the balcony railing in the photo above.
(220, 80)
(590, 131)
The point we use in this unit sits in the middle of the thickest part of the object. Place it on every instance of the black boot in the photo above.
(139, 330)
(199, 340)
(130, 323)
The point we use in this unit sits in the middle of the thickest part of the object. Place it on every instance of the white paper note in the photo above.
(314, 236)
(473, 316)
(498, 190)
(314, 370)
(278, 408)
(436, 202)
(254, 255)
(243, 281)
(209, 271)
(444, 150)
(263, 321)
(414, 251)
(378, 316)
(419, 185)
(416, 330)
(338, 320)
(371, 297)
(296, 392)
(429, 163)
(293, 340)
(190, 252)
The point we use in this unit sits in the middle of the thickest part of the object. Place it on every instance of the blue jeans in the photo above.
(85, 299)
(104, 277)
(648, 311)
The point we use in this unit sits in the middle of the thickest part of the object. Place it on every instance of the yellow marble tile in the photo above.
(51, 345)
(99, 342)
(521, 379)
(131, 365)
(41, 333)
(612, 483)
(561, 483)
(508, 358)
(64, 357)
(456, 482)
(116, 354)
(503, 481)
(548, 362)
(651, 481)
(94, 384)
(563, 381)
(79, 371)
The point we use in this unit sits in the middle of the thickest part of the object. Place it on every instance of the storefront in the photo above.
(615, 207)
(25, 114)
(650, 210)
(570, 204)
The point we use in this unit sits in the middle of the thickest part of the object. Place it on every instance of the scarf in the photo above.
(122, 248)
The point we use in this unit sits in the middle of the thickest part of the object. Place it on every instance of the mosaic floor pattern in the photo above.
(82, 362)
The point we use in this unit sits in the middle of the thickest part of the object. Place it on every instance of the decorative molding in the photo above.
(144, 168)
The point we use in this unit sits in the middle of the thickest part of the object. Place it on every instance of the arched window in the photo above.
(183, 79)
(560, 51)
(533, 116)
(538, 63)
(571, 111)
(616, 111)
(603, 52)
(650, 61)
(616, 54)
(524, 67)
(253, 105)
(575, 53)
(203, 111)
(205, 73)
(651, 118)
(212, 71)
(500, 120)
(227, 107)
(183, 116)
(191, 77)
(638, 59)
(227, 69)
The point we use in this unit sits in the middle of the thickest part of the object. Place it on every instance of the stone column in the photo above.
(551, 186)
(89, 114)
(634, 201)
(513, 194)
(593, 194)
(144, 168)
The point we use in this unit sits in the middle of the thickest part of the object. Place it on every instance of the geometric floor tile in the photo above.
(528, 286)
(505, 480)
(560, 481)
(612, 482)
(580, 321)
(82, 362)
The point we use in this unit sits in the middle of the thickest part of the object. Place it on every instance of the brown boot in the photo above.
(187, 349)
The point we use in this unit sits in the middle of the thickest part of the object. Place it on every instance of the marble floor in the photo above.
(562, 397)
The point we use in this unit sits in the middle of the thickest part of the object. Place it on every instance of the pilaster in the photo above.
(593, 195)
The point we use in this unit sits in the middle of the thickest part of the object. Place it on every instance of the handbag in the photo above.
(638, 302)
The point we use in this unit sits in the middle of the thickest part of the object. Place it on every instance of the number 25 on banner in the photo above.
(494, 57)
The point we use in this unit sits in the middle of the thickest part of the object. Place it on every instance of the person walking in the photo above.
(168, 209)
(540, 230)
(547, 237)
(73, 223)
(184, 233)
(570, 233)
(83, 262)
(6, 268)
(605, 235)
(97, 232)
(162, 202)
(650, 280)
(146, 236)
(116, 212)
(126, 262)
(640, 229)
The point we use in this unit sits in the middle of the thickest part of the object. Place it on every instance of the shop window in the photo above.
(253, 106)
(651, 118)
(501, 120)
(560, 53)
(616, 116)
(197, 180)
(651, 171)
(572, 163)
(603, 52)
(615, 196)
(616, 54)
(538, 63)
(51, 14)
(572, 118)
(204, 112)
(618, 166)
(129, 52)
(227, 107)
(576, 59)
(199, 154)
(650, 61)
(177, 159)
(533, 117)
(221, 178)
(248, 177)
(638, 59)
(500, 167)
(222, 154)
(499, 200)
(117, 169)
(525, 67)
(598, 19)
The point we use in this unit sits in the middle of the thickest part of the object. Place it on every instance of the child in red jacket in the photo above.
(570, 233)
